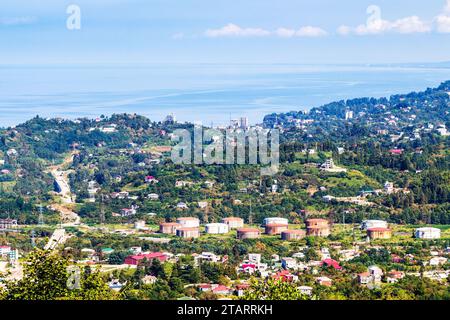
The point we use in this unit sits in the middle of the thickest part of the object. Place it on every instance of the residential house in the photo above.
(182, 205)
(289, 263)
(153, 196)
(126, 212)
(221, 290)
(151, 179)
(393, 276)
(324, 281)
(136, 259)
(306, 290)
(437, 261)
(241, 288)
(202, 204)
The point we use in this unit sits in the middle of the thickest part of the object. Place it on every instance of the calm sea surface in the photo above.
(204, 93)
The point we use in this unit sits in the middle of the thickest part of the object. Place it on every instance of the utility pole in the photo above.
(250, 216)
(353, 229)
(41, 216)
(102, 210)
(33, 242)
(206, 215)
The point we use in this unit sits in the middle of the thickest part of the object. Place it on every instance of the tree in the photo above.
(46, 277)
(273, 290)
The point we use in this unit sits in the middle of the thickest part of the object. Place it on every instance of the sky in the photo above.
(224, 31)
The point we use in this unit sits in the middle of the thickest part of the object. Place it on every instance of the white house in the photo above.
(207, 256)
(373, 275)
(126, 212)
(209, 184)
(305, 290)
(12, 152)
(437, 261)
(388, 187)
(182, 205)
(288, 263)
(181, 184)
(254, 258)
(5, 250)
(202, 204)
(153, 196)
(427, 233)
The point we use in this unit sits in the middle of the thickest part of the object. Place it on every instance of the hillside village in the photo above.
(360, 208)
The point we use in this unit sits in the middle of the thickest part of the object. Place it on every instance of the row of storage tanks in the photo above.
(280, 226)
(188, 227)
(378, 229)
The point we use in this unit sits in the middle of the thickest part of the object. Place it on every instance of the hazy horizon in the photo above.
(207, 93)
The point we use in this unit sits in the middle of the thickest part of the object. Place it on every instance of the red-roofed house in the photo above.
(396, 151)
(151, 179)
(331, 263)
(324, 281)
(393, 276)
(248, 267)
(241, 288)
(284, 276)
(396, 258)
(134, 260)
(221, 289)
(205, 287)
(364, 277)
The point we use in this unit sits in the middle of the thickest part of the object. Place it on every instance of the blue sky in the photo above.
(226, 31)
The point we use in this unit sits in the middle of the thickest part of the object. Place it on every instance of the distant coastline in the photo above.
(207, 93)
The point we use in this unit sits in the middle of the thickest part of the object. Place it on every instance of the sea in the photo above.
(211, 94)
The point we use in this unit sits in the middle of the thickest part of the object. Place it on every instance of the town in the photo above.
(358, 210)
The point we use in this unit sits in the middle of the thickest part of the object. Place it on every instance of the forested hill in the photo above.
(398, 111)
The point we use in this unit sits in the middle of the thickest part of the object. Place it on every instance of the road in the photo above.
(68, 216)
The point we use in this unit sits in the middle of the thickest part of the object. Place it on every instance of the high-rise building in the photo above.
(243, 123)
(348, 114)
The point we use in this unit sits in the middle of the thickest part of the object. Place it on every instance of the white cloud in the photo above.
(411, 24)
(310, 31)
(344, 30)
(179, 35)
(14, 21)
(307, 31)
(285, 33)
(447, 7)
(233, 30)
(407, 25)
(376, 26)
(442, 21)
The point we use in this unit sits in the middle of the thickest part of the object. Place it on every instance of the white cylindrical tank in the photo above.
(216, 228)
(368, 224)
(427, 233)
(233, 222)
(275, 220)
(188, 222)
